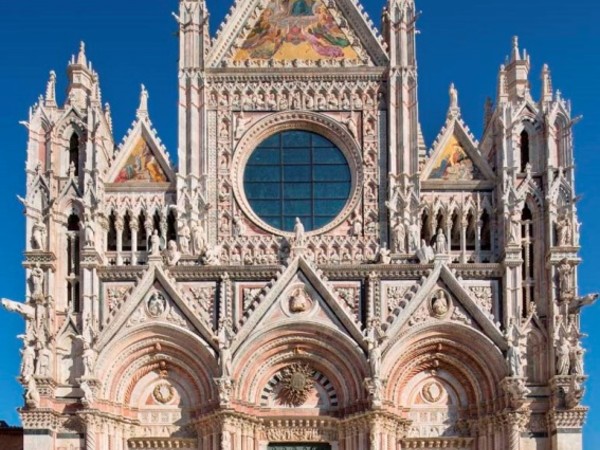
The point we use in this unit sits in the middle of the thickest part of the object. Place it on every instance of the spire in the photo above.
(108, 116)
(546, 84)
(81, 58)
(517, 73)
(488, 112)
(516, 54)
(51, 91)
(142, 111)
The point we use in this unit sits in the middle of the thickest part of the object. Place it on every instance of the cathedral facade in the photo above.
(309, 275)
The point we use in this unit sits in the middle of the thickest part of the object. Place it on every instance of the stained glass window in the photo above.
(297, 174)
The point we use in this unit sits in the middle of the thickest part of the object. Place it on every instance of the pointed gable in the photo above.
(455, 157)
(283, 33)
(299, 294)
(141, 165)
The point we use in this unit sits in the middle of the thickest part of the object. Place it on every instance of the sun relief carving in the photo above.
(296, 384)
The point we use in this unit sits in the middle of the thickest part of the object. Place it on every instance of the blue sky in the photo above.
(134, 41)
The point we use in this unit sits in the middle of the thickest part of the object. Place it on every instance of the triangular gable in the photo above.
(455, 157)
(155, 280)
(141, 160)
(298, 274)
(465, 302)
(277, 32)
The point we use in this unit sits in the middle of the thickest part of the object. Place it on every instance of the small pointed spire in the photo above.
(502, 93)
(51, 90)
(142, 111)
(81, 58)
(516, 54)
(108, 116)
(453, 92)
(488, 112)
(546, 84)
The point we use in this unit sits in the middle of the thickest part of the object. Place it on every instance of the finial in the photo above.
(51, 90)
(108, 116)
(546, 84)
(142, 111)
(453, 99)
(516, 55)
(81, 58)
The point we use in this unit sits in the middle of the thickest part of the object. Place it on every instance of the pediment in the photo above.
(299, 295)
(142, 160)
(293, 33)
(155, 299)
(442, 298)
(455, 157)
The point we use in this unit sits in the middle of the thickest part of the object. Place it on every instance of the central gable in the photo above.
(296, 29)
(453, 163)
(297, 33)
(141, 165)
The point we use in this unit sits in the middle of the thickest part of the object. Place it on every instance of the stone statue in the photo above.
(440, 243)
(576, 358)
(156, 305)
(32, 395)
(563, 352)
(172, 254)
(565, 280)
(88, 234)
(425, 253)
(44, 363)
(400, 236)
(38, 235)
(374, 337)
(155, 244)
(89, 360)
(513, 355)
(413, 236)
(28, 312)
(383, 255)
(88, 394)
(453, 97)
(184, 239)
(239, 229)
(37, 283)
(351, 125)
(27, 362)
(439, 304)
(224, 340)
(212, 256)
(564, 233)
(198, 238)
(299, 233)
(514, 228)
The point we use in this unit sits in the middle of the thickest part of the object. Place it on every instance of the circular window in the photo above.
(297, 174)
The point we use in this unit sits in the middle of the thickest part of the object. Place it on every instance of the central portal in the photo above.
(296, 446)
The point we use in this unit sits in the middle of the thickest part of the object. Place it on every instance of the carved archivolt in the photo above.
(298, 120)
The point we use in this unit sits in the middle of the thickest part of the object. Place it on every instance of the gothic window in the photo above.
(127, 233)
(486, 232)
(471, 232)
(171, 228)
(111, 240)
(72, 259)
(455, 234)
(156, 221)
(142, 236)
(297, 174)
(425, 229)
(528, 256)
(74, 152)
(525, 156)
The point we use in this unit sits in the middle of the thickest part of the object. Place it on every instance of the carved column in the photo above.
(464, 223)
(134, 225)
(478, 241)
(119, 226)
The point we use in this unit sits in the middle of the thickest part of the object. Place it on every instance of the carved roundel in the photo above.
(440, 304)
(432, 392)
(163, 393)
(316, 123)
(298, 301)
(156, 305)
(296, 384)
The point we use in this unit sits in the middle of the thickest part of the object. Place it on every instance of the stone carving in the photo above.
(575, 393)
(249, 295)
(225, 388)
(44, 363)
(224, 340)
(383, 254)
(88, 394)
(375, 387)
(27, 362)
(483, 297)
(88, 232)
(115, 296)
(32, 395)
(399, 237)
(513, 354)
(299, 300)
(296, 384)
(39, 235)
(516, 391)
(37, 283)
(156, 305)
(563, 354)
(184, 238)
(564, 231)
(349, 296)
(440, 305)
(441, 247)
(396, 297)
(155, 243)
(204, 300)
(239, 228)
(198, 242)
(89, 359)
(425, 253)
(299, 233)
(172, 254)
(163, 393)
(432, 392)
(576, 358)
(212, 256)
(375, 336)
